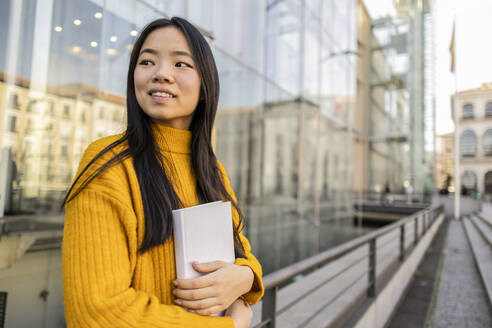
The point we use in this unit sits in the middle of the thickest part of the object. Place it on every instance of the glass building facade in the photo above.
(287, 92)
(402, 109)
(287, 72)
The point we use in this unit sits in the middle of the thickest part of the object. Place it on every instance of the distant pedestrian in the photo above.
(387, 194)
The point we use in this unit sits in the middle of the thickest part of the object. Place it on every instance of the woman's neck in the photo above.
(172, 139)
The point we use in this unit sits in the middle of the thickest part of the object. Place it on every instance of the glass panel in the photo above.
(240, 86)
(281, 152)
(313, 5)
(170, 7)
(239, 30)
(238, 125)
(311, 57)
(201, 13)
(309, 156)
(283, 43)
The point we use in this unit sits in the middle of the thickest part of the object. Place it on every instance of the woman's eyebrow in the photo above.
(173, 53)
(149, 50)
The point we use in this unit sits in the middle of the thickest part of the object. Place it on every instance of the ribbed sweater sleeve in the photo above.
(257, 290)
(98, 253)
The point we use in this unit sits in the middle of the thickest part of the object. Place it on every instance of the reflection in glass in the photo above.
(283, 46)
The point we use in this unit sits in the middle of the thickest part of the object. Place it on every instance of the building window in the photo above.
(468, 111)
(469, 180)
(82, 117)
(101, 113)
(12, 123)
(48, 126)
(488, 109)
(488, 183)
(30, 126)
(66, 112)
(64, 151)
(487, 143)
(31, 106)
(468, 144)
(14, 101)
(51, 107)
(116, 116)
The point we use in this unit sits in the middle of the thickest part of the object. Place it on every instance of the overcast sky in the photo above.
(473, 48)
(473, 51)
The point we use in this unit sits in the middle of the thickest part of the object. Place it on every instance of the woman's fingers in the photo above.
(200, 305)
(208, 266)
(209, 311)
(202, 282)
(195, 294)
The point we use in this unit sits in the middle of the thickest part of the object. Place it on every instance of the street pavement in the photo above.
(461, 300)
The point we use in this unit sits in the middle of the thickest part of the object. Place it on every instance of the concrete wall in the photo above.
(467, 204)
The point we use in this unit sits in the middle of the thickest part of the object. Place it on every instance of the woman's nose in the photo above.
(163, 75)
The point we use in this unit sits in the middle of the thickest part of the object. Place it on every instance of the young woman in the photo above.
(118, 253)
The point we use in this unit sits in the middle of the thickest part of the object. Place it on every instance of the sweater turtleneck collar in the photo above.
(172, 139)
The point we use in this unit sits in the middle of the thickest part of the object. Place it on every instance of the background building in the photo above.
(395, 114)
(474, 127)
(444, 162)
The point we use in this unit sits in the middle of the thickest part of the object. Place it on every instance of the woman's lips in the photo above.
(161, 99)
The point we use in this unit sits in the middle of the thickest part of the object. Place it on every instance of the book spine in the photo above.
(179, 245)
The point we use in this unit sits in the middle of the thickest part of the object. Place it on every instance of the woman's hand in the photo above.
(240, 312)
(215, 291)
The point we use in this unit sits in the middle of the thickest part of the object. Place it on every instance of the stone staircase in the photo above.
(478, 228)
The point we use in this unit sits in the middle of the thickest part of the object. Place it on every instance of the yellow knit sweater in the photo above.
(106, 281)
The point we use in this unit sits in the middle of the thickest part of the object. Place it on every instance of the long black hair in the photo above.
(158, 195)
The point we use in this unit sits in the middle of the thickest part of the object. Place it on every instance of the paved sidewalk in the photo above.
(461, 301)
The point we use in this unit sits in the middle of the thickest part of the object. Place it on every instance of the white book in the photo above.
(202, 233)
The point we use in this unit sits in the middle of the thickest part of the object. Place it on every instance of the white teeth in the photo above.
(162, 94)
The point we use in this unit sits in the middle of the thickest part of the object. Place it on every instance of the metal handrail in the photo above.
(277, 278)
(319, 285)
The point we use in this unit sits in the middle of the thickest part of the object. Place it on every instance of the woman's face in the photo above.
(167, 83)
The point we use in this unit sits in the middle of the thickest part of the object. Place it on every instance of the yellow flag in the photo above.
(452, 49)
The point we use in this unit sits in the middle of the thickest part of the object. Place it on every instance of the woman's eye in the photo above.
(146, 62)
(186, 65)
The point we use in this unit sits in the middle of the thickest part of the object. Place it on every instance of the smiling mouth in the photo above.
(160, 94)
